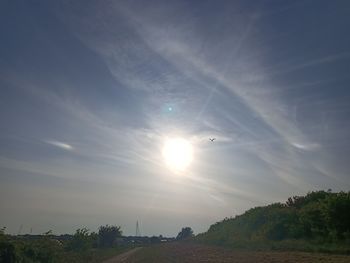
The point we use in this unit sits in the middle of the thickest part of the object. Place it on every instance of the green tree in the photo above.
(185, 233)
(337, 214)
(320, 217)
(107, 235)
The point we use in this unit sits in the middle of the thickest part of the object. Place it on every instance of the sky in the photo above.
(91, 91)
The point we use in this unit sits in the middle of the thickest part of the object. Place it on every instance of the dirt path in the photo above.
(122, 257)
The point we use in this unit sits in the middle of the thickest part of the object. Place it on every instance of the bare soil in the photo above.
(122, 257)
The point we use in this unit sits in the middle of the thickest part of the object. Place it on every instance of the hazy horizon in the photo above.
(92, 90)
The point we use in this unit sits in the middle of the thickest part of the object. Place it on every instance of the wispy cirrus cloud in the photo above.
(178, 44)
(116, 80)
(62, 145)
(313, 146)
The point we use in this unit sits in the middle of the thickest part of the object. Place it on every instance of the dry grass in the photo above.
(188, 253)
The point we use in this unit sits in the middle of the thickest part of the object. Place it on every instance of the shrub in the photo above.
(82, 240)
(107, 235)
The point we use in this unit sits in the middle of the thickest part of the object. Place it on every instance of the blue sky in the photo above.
(86, 88)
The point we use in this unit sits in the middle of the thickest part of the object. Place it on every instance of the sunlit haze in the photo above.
(177, 153)
(169, 113)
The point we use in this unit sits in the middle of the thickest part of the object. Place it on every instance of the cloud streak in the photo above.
(62, 145)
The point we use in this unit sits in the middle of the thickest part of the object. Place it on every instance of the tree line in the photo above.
(83, 246)
(79, 248)
(320, 217)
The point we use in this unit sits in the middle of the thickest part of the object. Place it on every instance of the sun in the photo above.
(177, 154)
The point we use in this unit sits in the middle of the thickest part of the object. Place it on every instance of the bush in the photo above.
(318, 218)
(107, 235)
(7, 252)
(82, 240)
(43, 250)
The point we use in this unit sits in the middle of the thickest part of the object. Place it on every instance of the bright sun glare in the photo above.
(177, 153)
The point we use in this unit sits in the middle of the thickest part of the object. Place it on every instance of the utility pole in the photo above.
(20, 230)
(138, 233)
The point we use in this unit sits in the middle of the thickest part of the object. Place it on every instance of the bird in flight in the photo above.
(212, 139)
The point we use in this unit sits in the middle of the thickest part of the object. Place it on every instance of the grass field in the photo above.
(188, 253)
(91, 256)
